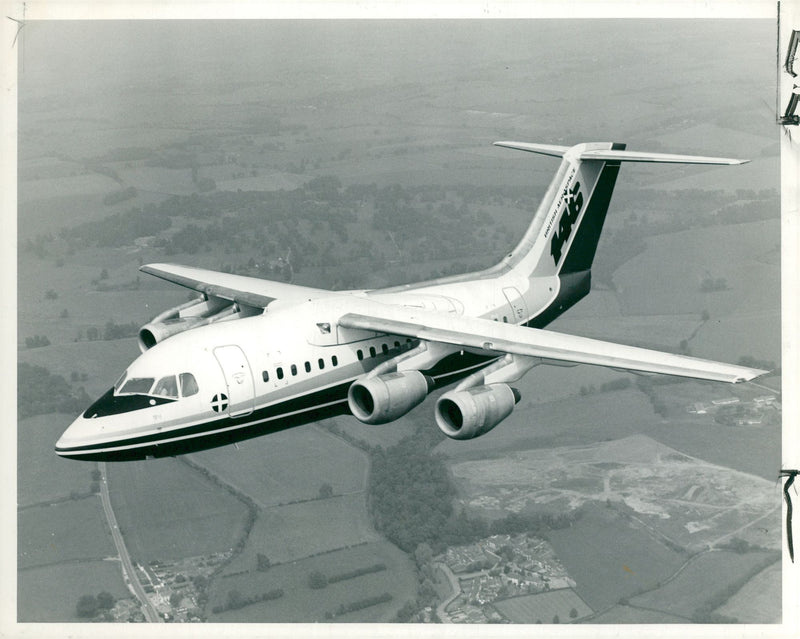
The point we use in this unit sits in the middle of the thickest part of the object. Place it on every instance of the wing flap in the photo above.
(250, 291)
(508, 338)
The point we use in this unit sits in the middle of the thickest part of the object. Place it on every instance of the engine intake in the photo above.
(182, 318)
(469, 413)
(384, 398)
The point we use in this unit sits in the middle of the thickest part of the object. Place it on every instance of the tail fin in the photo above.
(564, 233)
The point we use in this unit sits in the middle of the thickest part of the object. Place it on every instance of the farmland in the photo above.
(302, 603)
(167, 510)
(50, 593)
(704, 579)
(69, 531)
(544, 608)
(288, 466)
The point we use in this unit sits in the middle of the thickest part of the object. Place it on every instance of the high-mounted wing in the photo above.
(250, 291)
(519, 340)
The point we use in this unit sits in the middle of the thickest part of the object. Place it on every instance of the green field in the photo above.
(759, 600)
(629, 614)
(705, 577)
(70, 531)
(287, 533)
(573, 421)
(611, 558)
(167, 510)
(544, 607)
(43, 476)
(50, 593)
(303, 604)
(288, 466)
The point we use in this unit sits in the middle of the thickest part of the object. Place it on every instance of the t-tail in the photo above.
(562, 238)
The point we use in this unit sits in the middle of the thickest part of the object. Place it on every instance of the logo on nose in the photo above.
(219, 402)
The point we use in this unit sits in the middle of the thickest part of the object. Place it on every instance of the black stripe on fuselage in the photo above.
(321, 404)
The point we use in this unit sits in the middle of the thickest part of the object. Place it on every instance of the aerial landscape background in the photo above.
(357, 154)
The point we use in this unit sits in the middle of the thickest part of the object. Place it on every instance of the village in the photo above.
(735, 412)
(500, 567)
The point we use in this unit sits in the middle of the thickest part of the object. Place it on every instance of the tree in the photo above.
(556, 619)
(317, 580)
(573, 613)
(175, 599)
(105, 600)
(262, 562)
(325, 491)
(235, 600)
(87, 606)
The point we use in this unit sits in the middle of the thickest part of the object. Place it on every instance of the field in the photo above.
(611, 558)
(166, 510)
(301, 603)
(44, 476)
(69, 531)
(50, 593)
(543, 608)
(288, 466)
(759, 599)
(701, 580)
(287, 533)
(629, 614)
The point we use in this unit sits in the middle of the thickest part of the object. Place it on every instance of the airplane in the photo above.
(250, 356)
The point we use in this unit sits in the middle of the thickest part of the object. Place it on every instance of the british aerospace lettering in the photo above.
(567, 221)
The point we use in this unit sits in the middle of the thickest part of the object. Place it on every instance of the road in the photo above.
(128, 570)
(440, 609)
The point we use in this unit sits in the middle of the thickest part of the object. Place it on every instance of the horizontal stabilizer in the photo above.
(617, 155)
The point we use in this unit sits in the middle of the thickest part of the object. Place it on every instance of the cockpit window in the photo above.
(120, 381)
(137, 385)
(166, 387)
(188, 384)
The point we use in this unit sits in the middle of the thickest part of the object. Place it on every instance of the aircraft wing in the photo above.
(250, 291)
(519, 340)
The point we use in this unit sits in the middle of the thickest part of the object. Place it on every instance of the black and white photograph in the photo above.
(400, 320)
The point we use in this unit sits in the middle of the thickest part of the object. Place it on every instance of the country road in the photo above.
(128, 570)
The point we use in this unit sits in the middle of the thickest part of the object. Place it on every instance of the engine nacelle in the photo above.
(384, 398)
(464, 414)
(182, 318)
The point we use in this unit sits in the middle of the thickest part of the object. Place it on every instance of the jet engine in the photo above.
(383, 398)
(472, 412)
(182, 318)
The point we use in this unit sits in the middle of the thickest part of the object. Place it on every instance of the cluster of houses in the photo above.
(499, 567)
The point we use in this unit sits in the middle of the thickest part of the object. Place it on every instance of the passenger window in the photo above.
(265, 376)
(308, 367)
(397, 344)
(166, 387)
(188, 385)
(137, 385)
(321, 363)
(280, 372)
(294, 369)
(384, 348)
(334, 360)
(372, 351)
(505, 319)
(360, 354)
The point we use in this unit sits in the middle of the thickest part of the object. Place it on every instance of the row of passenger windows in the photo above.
(373, 352)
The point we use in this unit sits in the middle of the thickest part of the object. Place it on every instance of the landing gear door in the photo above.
(239, 379)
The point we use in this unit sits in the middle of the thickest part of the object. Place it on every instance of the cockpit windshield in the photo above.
(167, 386)
(137, 386)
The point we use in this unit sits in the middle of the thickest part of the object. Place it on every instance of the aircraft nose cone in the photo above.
(80, 433)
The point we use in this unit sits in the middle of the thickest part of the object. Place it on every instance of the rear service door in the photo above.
(238, 376)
